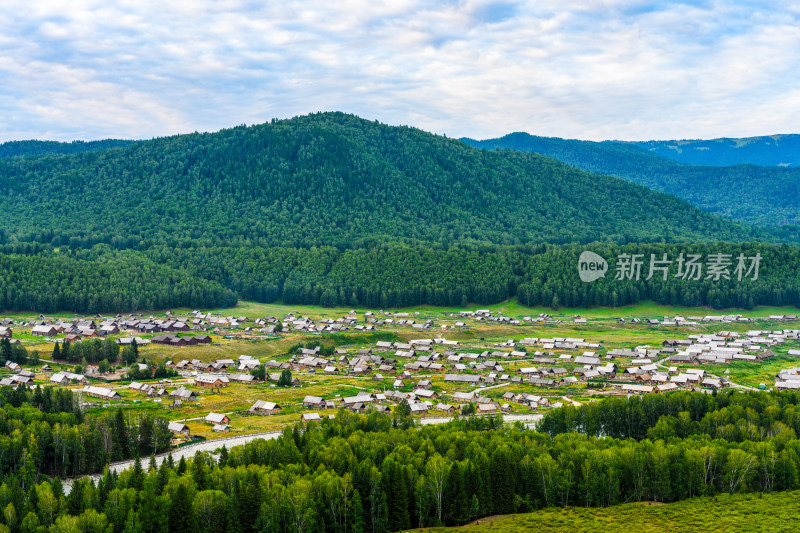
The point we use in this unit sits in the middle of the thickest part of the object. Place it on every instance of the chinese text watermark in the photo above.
(691, 267)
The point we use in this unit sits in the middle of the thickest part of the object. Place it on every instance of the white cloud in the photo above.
(590, 69)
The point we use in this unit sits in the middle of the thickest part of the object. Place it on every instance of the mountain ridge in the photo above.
(763, 150)
(768, 196)
(332, 178)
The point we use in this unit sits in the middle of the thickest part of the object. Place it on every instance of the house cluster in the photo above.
(18, 376)
(224, 371)
(422, 400)
(150, 390)
(244, 363)
(653, 380)
(101, 327)
(75, 330)
(325, 325)
(68, 378)
(100, 392)
(686, 320)
(727, 346)
(531, 401)
(542, 318)
(789, 378)
(175, 340)
(486, 315)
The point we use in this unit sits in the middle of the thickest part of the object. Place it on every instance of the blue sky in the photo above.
(588, 69)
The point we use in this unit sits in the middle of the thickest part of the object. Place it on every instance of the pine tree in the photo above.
(357, 513)
(75, 503)
(182, 466)
(120, 447)
(180, 511)
(65, 351)
(223, 456)
(200, 472)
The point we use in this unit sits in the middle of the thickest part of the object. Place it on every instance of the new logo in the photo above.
(591, 266)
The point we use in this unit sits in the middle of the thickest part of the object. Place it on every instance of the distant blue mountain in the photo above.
(771, 150)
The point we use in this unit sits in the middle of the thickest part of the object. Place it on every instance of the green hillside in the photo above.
(748, 193)
(768, 150)
(740, 512)
(330, 179)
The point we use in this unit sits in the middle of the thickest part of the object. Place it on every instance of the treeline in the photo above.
(92, 351)
(554, 280)
(44, 432)
(50, 281)
(55, 148)
(396, 275)
(369, 473)
(402, 276)
(329, 179)
(734, 416)
(386, 276)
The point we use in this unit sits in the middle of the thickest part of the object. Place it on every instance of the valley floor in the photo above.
(486, 334)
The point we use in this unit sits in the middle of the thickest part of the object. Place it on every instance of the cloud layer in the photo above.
(590, 69)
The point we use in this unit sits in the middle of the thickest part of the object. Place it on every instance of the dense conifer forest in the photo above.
(373, 472)
(104, 280)
(48, 282)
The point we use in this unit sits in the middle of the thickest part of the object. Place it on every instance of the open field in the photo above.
(511, 307)
(775, 512)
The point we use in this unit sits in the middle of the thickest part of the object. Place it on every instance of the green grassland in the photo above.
(511, 307)
(744, 513)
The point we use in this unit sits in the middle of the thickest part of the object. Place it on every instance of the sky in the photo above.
(586, 69)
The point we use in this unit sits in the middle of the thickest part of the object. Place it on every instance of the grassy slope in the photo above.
(724, 513)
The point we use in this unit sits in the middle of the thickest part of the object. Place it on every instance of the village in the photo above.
(304, 366)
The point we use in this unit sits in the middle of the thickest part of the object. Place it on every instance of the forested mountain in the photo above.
(34, 148)
(769, 150)
(331, 209)
(330, 179)
(748, 193)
